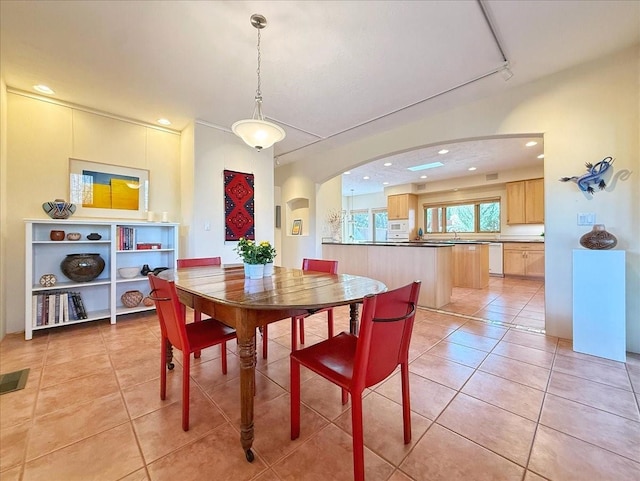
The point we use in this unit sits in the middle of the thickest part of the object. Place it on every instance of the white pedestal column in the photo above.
(599, 324)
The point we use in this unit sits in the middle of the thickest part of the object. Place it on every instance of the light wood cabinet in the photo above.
(524, 259)
(525, 202)
(402, 206)
(471, 265)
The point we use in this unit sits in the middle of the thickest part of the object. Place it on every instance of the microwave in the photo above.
(398, 227)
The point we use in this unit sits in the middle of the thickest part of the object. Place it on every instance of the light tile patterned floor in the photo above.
(489, 402)
(510, 301)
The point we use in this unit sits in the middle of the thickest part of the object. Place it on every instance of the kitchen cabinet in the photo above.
(525, 202)
(402, 206)
(120, 244)
(524, 259)
(471, 265)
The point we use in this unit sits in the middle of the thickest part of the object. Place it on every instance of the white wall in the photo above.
(41, 137)
(215, 150)
(3, 205)
(585, 114)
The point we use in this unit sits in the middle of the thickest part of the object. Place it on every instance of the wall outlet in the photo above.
(207, 226)
(588, 218)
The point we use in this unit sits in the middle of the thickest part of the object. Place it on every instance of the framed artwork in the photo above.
(296, 229)
(103, 190)
(239, 206)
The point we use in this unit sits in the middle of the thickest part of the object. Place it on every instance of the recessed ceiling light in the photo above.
(346, 173)
(472, 168)
(164, 121)
(387, 164)
(541, 156)
(385, 183)
(43, 89)
(366, 177)
(423, 176)
(531, 143)
(426, 166)
(443, 151)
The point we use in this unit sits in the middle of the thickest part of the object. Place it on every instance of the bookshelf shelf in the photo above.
(101, 296)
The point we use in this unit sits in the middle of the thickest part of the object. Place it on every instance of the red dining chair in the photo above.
(318, 265)
(198, 262)
(357, 362)
(187, 338)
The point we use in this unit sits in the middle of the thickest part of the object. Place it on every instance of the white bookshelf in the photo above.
(101, 296)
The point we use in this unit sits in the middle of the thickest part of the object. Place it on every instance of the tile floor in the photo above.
(489, 402)
(510, 301)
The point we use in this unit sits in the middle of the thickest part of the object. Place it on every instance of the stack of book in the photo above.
(125, 238)
(57, 307)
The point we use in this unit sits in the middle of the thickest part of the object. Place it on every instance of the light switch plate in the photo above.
(588, 218)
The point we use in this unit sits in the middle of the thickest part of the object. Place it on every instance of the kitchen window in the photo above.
(479, 216)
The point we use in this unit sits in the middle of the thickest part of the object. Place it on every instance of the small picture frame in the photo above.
(296, 229)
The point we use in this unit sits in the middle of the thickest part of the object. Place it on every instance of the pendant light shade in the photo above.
(256, 131)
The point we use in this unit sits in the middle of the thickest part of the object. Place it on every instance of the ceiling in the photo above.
(332, 71)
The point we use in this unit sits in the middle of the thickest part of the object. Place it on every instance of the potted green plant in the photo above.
(248, 251)
(266, 253)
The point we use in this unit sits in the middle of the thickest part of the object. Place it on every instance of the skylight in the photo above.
(425, 166)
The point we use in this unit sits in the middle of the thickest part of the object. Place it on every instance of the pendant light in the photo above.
(256, 131)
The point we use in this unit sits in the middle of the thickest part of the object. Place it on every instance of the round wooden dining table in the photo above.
(245, 304)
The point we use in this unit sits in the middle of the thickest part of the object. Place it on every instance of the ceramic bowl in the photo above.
(128, 272)
(56, 235)
(74, 236)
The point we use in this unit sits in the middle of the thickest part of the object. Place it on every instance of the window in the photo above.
(359, 225)
(380, 223)
(463, 217)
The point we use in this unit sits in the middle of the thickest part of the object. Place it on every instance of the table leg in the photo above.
(246, 347)
(353, 318)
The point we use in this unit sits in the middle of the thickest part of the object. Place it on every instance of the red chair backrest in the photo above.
(199, 262)
(169, 311)
(320, 265)
(385, 332)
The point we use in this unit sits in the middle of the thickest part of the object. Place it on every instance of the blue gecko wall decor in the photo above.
(593, 177)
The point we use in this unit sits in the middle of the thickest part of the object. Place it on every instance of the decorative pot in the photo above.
(145, 270)
(131, 298)
(148, 302)
(74, 236)
(48, 280)
(268, 269)
(94, 236)
(59, 209)
(254, 271)
(82, 267)
(56, 235)
(598, 238)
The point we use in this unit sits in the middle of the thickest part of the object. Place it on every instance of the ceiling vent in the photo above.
(421, 186)
(492, 177)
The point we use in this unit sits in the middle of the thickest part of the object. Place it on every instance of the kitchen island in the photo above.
(398, 264)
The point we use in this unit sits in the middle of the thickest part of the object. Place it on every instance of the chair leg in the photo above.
(406, 403)
(294, 334)
(265, 341)
(358, 437)
(197, 317)
(163, 368)
(345, 396)
(301, 330)
(330, 323)
(223, 356)
(295, 398)
(186, 364)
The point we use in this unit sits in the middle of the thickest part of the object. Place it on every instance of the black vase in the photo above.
(145, 270)
(82, 267)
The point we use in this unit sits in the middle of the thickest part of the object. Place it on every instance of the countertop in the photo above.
(437, 243)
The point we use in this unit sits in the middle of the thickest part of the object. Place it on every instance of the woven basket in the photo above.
(131, 298)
